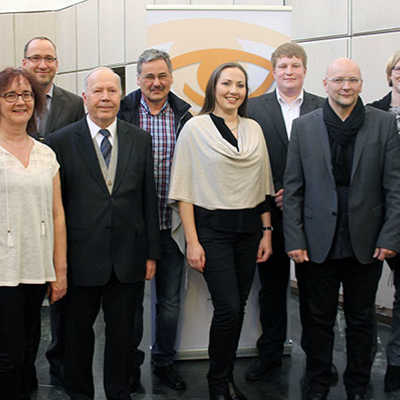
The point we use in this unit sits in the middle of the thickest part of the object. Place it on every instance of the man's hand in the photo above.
(150, 269)
(279, 198)
(381, 253)
(298, 256)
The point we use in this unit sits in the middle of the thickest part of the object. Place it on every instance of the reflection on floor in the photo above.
(282, 385)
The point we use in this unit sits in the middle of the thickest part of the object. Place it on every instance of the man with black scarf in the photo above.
(341, 216)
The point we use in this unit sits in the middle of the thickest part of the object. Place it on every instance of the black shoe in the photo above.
(357, 396)
(308, 394)
(392, 378)
(134, 380)
(234, 392)
(316, 396)
(56, 380)
(168, 376)
(334, 378)
(259, 369)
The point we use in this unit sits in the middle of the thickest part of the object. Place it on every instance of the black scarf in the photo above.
(342, 136)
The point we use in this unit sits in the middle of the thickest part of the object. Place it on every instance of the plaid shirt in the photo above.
(162, 130)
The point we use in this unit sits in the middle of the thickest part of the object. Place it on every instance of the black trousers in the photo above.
(319, 286)
(229, 273)
(56, 349)
(118, 301)
(19, 338)
(274, 280)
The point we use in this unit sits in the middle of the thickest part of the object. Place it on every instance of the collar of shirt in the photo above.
(94, 130)
(290, 111)
(298, 102)
(146, 107)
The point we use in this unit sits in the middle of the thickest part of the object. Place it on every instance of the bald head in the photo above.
(343, 65)
(343, 84)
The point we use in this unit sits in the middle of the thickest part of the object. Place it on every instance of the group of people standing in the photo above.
(126, 192)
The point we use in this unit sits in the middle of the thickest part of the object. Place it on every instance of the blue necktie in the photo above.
(105, 146)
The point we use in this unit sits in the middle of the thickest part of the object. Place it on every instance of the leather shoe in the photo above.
(316, 396)
(259, 369)
(334, 378)
(392, 378)
(234, 392)
(169, 377)
(357, 396)
(219, 396)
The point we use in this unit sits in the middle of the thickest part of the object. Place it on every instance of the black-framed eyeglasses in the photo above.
(39, 59)
(12, 97)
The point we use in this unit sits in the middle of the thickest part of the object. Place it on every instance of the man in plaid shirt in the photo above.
(158, 111)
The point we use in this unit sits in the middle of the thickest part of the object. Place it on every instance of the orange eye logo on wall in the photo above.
(198, 46)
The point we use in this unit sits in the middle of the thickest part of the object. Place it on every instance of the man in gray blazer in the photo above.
(275, 112)
(341, 213)
(63, 108)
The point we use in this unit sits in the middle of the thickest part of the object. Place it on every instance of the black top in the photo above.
(242, 220)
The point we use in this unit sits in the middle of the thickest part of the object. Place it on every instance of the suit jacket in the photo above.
(266, 110)
(66, 108)
(106, 232)
(310, 204)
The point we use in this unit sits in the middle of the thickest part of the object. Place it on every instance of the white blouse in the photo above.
(26, 217)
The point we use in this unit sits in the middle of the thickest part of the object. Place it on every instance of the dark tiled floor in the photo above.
(282, 385)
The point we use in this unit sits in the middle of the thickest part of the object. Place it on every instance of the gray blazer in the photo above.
(310, 203)
(66, 108)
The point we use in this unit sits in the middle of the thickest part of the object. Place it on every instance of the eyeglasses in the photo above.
(341, 81)
(39, 59)
(396, 70)
(12, 97)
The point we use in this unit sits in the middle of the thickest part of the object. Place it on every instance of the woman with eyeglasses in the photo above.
(221, 180)
(32, 231)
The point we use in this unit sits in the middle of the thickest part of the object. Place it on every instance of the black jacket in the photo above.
(383, 103)
(129, 110)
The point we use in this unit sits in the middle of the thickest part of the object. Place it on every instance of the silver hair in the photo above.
(90, 73)
(152, 55)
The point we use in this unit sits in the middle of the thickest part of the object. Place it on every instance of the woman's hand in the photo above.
(264, 247)
(58, 289)
(196, 256)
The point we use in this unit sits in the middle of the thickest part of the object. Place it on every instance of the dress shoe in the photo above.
(334, 378)
(316, 396)
(356, 396)
(259, 369)
(169, 377)
(219, 396)
(234, 392)
(392, 378)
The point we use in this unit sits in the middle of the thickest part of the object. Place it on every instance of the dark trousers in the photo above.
(56, 349)
(319, 286)
(19, 338)
(168, 281)
(274, 280)
(83, 304)
(229, 272)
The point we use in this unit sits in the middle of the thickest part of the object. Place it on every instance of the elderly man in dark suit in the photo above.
(275, 112)
(112, 229)
(341, 213)
(63, 108)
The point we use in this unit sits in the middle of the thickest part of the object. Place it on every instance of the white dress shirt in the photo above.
(290, 111)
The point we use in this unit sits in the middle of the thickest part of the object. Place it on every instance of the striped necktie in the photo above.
(105, 146)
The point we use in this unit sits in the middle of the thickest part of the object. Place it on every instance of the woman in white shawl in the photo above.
(221, 182)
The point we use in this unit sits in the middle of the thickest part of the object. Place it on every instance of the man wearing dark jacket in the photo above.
(158, 111)
(391, 102)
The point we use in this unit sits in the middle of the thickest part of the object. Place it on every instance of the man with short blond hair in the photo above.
(275, 113)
